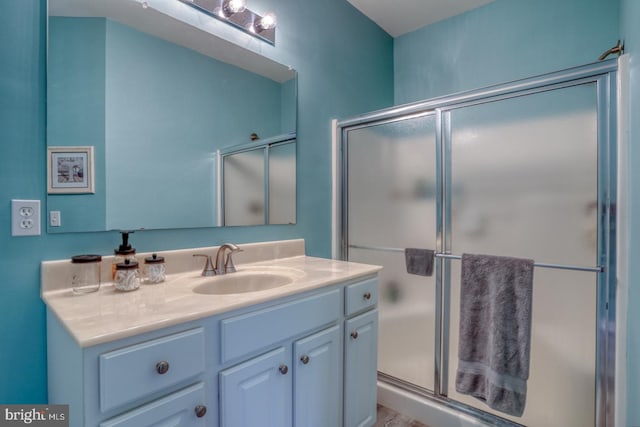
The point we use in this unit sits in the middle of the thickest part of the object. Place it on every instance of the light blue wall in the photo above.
(503, 41)
(630, 33)
(343, 71)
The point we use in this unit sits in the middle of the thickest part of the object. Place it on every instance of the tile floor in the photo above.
(390, 418)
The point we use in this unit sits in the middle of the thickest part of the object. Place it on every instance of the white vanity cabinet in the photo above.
(297, 382)
(304, 360)
(360, 353)
(156, 378)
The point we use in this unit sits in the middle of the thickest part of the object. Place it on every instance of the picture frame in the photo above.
(70, 170)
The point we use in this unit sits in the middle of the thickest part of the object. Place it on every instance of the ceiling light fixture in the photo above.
(235, 12)
(267, 22)
(231, 7)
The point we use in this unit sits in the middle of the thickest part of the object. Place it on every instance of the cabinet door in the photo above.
(317, 360)
(257, 393)
(360, 370)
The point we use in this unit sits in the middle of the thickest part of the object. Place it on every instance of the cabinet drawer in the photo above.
(253, 331)
(184, 408)
(361, 296)
(131, 373)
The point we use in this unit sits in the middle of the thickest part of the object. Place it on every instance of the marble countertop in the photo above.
(109, 314)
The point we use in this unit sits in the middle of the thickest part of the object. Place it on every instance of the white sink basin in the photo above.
(247, 280)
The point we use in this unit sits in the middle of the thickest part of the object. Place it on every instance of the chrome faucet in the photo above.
(221, 265)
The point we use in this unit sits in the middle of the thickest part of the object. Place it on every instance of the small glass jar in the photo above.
(154, 269)
(127, 276)
(120, 257)
(86, 273)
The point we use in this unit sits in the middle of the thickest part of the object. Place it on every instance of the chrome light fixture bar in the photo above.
(236, 13)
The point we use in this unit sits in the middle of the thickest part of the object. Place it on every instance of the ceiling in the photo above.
(398, 17)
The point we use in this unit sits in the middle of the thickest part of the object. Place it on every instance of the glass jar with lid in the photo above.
(154, 269)
(127, 276)
(86, 273)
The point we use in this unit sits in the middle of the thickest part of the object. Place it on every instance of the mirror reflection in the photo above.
(158, 113)
(259, 184)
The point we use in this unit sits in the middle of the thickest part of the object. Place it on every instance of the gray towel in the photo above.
(419, 261)
(495, 331)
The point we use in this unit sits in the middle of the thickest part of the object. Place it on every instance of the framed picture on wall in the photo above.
(70, 170)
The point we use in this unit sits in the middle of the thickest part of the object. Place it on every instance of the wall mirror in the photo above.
(160, 101)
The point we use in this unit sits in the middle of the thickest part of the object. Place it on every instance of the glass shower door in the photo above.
(392, 193)
(526, 169)
(523, 182)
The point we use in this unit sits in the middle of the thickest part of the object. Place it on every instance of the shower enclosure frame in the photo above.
(604, 76)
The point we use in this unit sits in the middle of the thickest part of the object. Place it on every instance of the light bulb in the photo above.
(231, 7)
(267, 22)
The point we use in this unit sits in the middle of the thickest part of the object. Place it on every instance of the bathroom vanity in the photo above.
(302, 353)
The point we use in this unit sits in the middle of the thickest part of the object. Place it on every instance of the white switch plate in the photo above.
(54, 219)
(25, 217)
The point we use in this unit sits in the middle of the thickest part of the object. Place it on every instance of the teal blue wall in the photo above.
(76, 90)
(630, 32)
(342, 72)
(503, 41)
(288, 105)
(22, 171)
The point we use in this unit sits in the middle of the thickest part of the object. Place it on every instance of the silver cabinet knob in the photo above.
(354, 335)
(283, 369)
(304, 359)
(201, 410)
(162, 367)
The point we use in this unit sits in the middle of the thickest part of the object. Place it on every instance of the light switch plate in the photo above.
(25, 217)
(54, 219)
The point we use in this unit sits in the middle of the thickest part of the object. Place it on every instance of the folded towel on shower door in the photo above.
(419, 261)
(495, 331)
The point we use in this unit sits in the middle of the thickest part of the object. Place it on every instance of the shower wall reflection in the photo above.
(259, 184)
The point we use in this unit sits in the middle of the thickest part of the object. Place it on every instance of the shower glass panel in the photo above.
(391, 192)
(244, 185)
(523, 182)
(282, 184)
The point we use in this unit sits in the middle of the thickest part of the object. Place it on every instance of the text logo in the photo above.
(34, 415)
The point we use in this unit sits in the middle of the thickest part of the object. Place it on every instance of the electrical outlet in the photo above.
(25, 217)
